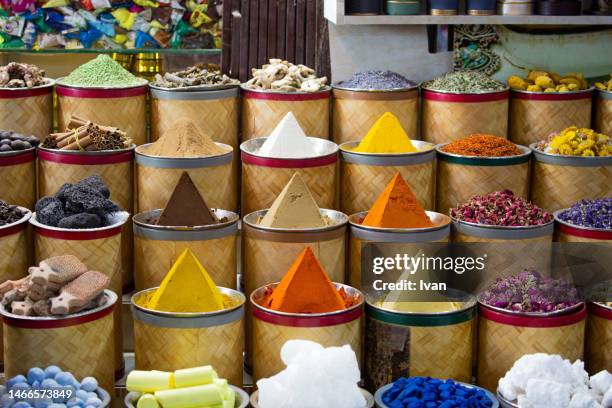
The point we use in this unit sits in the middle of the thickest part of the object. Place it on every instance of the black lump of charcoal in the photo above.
(81, 221)
(51, 213)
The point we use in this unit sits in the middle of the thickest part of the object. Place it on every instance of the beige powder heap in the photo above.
(184, 139)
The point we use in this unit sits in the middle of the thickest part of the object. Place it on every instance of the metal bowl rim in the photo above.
(39, 224)
(383, 389)
(17, 152)
(232, 219)
(337, 86)
(108, 88)
(526, 151)
(325, 89)
(50, 83)
(132, 147)
(343, 147)
(423, 87)
(246, 148)
(589, 89)
(254, 398)
(338, 215)
(353, 222)
(467, 304)
(536, 152)
(229, 148)
(562, 312)
(557, 213)
(26, 217)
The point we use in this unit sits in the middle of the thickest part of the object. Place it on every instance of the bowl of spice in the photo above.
(585, 221)
(542, 94)
(597, 352)
(383, 151)
(603, 107)
(462, 103)
(518, 309)
(184, 147)
(24, 88)
(207, 97)
(278, 88)
(14, 241)
(358, 102)
(18, 167)
(571, 165)
(478, 164)
(102, 91)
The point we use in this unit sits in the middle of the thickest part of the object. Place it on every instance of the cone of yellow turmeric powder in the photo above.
(386, 136)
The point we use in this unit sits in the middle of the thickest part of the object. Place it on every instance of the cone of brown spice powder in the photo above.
(184, 139)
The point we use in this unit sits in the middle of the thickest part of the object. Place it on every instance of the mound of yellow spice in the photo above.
(574, 141)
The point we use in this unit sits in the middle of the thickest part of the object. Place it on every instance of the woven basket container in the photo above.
(115, 167)
(603, 112)
(78, 343)
(215, 112)
(399, 344)
(535, 115)
(503, 338)
(450, 116)
(598, 349)
(15, 252)
(361, 234)
(375, 170)
(124, 108)
(262, 110)
(559, 181)
(18, 175)
(356, 111)
(98, 248)
(171, 341)
(214, 176)
(264, 178)
(566, 232)
(214, 245)
(28, 111)
(459, 178)
(271, 329)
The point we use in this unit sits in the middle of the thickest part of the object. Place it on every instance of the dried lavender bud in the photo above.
(376, 80)
(595, 213)
(529, 291)
(501, 208)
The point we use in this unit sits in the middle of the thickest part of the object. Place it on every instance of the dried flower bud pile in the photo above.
(542, 81)
(20, 75)
(82, 134)
(284, 76)
(574, 141)
(464, 82)
(9, 213)
(12, 141)
(482, 145)
(501, 208)
(605, 85)
(376, 80)
(530, 292)
(193, 76)
(595, 213)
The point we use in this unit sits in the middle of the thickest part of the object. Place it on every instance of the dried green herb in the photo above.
(464, 82)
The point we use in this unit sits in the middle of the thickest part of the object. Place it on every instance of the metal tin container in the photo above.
(444, 7)
(559, 181)
(214, 245)
(471, 232)
(362, 7)
(171, 341)
(564, 108)
(567, 232)
(559, 8)
(100, 249)
(271, 329)
(368, 397)
(405, 344)
(31, 341)
(214, 176)
(375, 170)
(505, 337)
(262, 110)
(356, 110)
(381, 391)
(124, 108)
(18, 175)
(598, 349)
(242, 398)
(360, 234)
(402, 7)
(263, 178)
(28, 110)
(115, 167)
(515, 8)
(459, 178)
(603, 112)
(481, 7)
(448, 116)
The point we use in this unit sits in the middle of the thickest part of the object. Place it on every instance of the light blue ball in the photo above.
(89, 384)
(16, 380)
(2, 389)
(82, 395)
(52, 371)
(91, 395)
(6, 401)
(57, 406)
(75, 402)
(21, 387)
(43, 403)
(22, 404)
(35, 385)
(49, 384)
(96, 402)
(64, 378)
(36, 374)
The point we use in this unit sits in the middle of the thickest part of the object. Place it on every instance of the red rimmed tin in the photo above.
(504, 337)
(124, 108)
(561, 110)
(449, 116)
(262, 110)
(27, 110)
(598, 350)
(263, 178)
(566, 232)
(101, 249)
(31, 341)
(271, 329)
(18, 175)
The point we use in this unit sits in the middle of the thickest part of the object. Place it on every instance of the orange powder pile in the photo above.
(305, 288)
(397, 207)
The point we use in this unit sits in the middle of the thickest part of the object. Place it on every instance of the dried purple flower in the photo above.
(501, 208)
(595, 213)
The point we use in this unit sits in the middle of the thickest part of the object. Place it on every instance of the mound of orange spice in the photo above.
(482, 145)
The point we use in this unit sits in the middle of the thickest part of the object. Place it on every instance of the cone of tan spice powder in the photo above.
(184, 139)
